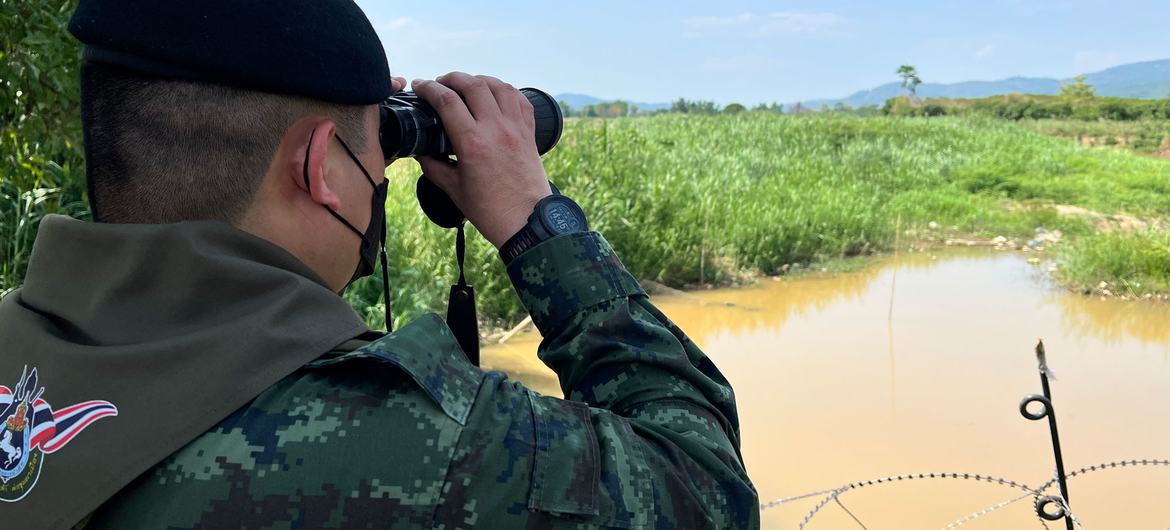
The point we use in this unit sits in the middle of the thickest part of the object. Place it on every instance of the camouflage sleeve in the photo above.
(643, 399)
(405, 433)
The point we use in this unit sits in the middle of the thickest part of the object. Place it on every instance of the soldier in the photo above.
(185, 361)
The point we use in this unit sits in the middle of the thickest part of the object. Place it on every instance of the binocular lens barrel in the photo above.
(411, 127)
(549, 121)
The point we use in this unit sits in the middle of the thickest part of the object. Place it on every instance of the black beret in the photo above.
(320, 49)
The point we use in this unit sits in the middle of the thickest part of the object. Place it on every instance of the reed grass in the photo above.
(687, 198)
(1143, 136)
(1134, 264)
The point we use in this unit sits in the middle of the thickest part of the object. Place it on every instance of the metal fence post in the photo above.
(1062, 502)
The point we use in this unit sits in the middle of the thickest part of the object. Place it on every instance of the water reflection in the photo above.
(832, 389)
(1115, 320)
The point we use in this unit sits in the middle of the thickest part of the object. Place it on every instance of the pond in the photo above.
(836, 385)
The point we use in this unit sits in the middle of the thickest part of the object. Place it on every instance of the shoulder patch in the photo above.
(31, 429)
(427, 351)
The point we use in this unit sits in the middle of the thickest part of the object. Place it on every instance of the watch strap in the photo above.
(534, 232)
(516, 245)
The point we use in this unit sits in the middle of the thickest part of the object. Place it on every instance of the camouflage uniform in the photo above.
(403, 432)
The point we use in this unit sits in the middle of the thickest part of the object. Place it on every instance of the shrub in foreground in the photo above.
(1129, 263)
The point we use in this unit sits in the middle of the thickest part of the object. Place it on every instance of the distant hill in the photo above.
(576, 101)
(1150, 80)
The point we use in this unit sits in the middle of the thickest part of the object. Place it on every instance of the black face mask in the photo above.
(374, 237)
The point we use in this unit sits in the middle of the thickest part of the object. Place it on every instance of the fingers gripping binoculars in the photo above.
(410, 127)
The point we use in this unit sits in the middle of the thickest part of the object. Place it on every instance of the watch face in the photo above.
(562, 216)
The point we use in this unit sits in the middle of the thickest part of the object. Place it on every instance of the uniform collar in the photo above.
(176, 326)
(132, 283)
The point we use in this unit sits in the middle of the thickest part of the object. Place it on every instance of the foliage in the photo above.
(1132, 264)
(910, 79)
(861, 112)
(769, 107)
(609, 109)
(1144, 136)
(772, 190)
(734, 108)
(41, 157)
(1078, 91)
(1035, 107)
(684, 106)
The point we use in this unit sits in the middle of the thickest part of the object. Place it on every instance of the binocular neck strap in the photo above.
(386, 283)
(461, 316)
(460, 253)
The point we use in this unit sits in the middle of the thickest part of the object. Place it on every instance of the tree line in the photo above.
(1077, 100)
(620, 108)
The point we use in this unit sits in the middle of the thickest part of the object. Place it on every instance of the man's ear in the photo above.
(307, 165)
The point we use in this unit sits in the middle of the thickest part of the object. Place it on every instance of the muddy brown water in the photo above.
(831, 390)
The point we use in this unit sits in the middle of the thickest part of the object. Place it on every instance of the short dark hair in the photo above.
(163, 151)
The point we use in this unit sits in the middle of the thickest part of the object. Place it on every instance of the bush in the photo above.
(1130, 263)
(1023, 106)
(41, 157)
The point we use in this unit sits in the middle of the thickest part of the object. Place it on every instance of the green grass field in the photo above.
(1135, 265)
(1145, 136)
(686, 199)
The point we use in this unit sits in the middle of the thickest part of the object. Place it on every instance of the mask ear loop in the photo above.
(336, 215)
(382, 232)
(382, 239)
(355, 160)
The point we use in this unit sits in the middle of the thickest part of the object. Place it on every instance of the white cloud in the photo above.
(777, 22)
(985, 51)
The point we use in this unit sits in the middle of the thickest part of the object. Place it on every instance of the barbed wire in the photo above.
(1108, 465)
(787, 500)
(975, 515)
(832, 495)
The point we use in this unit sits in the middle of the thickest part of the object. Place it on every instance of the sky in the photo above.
(751, 51)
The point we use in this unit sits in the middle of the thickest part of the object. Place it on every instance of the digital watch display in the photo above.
(553, 216)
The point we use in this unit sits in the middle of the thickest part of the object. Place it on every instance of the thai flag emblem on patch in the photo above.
(31, 429)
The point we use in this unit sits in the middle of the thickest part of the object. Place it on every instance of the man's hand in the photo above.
(499, 177)
(397, 83)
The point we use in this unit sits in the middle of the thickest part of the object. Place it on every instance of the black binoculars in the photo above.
(411, 127)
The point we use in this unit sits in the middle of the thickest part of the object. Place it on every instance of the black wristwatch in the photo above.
(553, 215)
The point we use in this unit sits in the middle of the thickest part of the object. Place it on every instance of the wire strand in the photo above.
(832, 495)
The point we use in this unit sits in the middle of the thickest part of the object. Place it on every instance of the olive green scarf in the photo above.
(174, 325)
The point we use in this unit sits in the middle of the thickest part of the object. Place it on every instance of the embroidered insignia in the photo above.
(31, 429)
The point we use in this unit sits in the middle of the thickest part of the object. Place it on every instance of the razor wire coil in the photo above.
(831, 495)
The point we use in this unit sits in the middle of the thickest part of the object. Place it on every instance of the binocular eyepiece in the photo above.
(411, 127)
